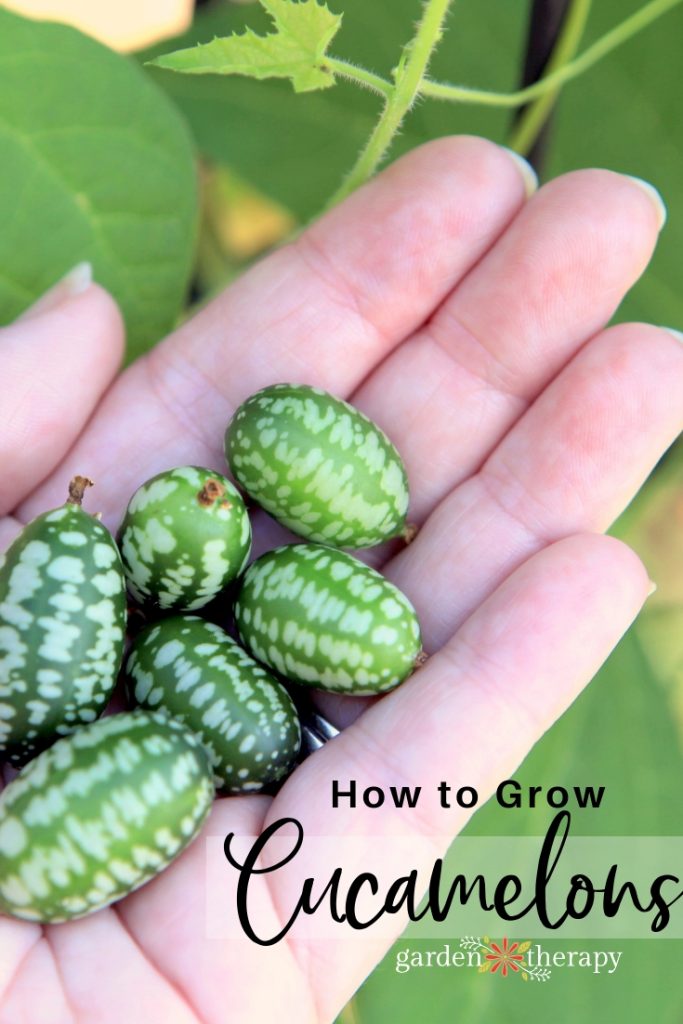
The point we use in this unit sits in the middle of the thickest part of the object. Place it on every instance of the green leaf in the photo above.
(296, 50)
(95, 164)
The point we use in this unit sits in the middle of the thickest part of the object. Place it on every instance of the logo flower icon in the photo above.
(504, 956)
(508, 957)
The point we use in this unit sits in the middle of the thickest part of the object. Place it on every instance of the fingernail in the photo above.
(678, 335)
(529, 176)
(77, 281)
(653, 587)
(654, 198)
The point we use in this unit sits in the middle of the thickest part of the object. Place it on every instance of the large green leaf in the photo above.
(95, 164)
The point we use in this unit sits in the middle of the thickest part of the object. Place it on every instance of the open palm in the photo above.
(469, 323)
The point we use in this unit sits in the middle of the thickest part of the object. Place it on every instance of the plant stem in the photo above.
(345, 69)
(408, 78)
(599, 49)
(546, 20)
(528, 128)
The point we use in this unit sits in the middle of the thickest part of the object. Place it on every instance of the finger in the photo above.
(515, 665)
(477, 706)
(92, 956)
(571, 464)
(17, 940)
(54, 367)
(35, 992)
(552, 280)
(9, 528)
(468, 718)
(324, 311)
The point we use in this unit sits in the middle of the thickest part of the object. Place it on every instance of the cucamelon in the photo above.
(321, 617)
(62, 625)
(185, 535)
(98, 814)
(246, 719)
(318, 466)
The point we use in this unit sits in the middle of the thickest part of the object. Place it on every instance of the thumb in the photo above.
(55, 363)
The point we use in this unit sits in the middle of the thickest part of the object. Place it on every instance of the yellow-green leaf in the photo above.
(484, 966)
(524, 947)
(295, 50)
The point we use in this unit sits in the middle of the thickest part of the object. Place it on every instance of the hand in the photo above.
(469, 323)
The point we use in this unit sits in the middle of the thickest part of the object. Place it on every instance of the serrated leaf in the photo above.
(95, 164)
(296, 50)
(524, 947)
(484, 966)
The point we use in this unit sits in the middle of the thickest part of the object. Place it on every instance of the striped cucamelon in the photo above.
(318, 466)
(319, 616)
(62, 625)
(246, 719)
(185, 535)
(98, 814)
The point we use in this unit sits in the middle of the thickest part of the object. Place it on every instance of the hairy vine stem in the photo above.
(599, 49)
(418, 59)
(345, 69)
(408, 78)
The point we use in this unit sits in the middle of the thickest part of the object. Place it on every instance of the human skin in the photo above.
(469, 322)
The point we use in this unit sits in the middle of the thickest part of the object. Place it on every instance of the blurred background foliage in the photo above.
(268, 160)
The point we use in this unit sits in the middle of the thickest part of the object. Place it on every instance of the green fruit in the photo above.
(319, 466)
(98, 814)
(321, 617)
(245, 718)
(62, 625)
(185, 535)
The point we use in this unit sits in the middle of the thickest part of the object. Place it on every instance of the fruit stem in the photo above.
(210, 492)
(410, 532)
(420, 659)
(77, 488)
